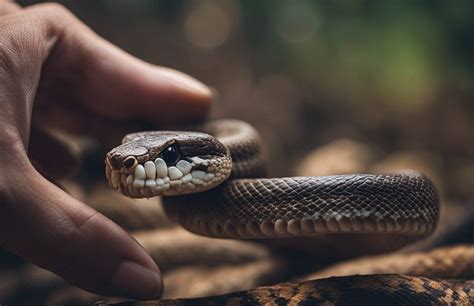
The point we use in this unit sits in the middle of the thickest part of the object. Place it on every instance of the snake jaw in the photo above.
(167, 163)
(155, 178)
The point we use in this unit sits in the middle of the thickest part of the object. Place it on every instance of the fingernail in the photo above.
(135, 281)
(185, 80)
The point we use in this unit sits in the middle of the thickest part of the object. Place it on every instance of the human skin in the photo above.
(51, 60)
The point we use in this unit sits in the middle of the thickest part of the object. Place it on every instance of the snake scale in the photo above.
(212, 184)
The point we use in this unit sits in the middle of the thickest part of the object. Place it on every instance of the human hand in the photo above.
(49, 59)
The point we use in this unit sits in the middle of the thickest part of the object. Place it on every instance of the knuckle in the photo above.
(8, 7)
(54, 10)
(55, 16)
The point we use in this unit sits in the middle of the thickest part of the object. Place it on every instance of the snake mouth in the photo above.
(156, 178)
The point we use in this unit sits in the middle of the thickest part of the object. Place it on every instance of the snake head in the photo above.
(149, 164)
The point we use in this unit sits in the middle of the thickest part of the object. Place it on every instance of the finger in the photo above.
(38, 220)
(112, 82)
(8, 7)
(45, 225)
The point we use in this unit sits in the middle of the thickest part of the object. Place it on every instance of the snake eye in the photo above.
(171, 155)
(130, 162)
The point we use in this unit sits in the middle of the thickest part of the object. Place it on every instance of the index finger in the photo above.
(85, 69)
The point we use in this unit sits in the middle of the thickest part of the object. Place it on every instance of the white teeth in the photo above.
(138, 183)
(209, 176)
(161, 168)
(184, 166)
(196, 181)
(187, 178)
(174, 173)
(197, 174)
(139, 173)
(159, 181)
(158, 177)
(197, 160)
(176, 183)
(150, 183)
(150, 170)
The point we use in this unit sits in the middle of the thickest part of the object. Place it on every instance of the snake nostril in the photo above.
(114, 162)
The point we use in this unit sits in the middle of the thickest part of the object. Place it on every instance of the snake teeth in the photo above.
(184, 166)
(174, 173)
(138, 184)
(161, 168)
(139, 173)
(159, 179)
(160, 182)
(150, 170)
(150, 183)
(198, 174)
(199, 161)
(129, 180)
(187, 178)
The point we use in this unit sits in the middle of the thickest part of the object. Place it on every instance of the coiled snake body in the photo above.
(219, 197)
(211, 187)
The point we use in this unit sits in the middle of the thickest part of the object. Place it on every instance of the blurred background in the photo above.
(333, 86)
(397, 76)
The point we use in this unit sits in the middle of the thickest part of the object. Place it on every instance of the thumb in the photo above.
(55, 231)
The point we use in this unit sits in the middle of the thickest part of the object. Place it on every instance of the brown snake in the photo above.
(210, 187)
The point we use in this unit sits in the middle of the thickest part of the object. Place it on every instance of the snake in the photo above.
(392, 289)
(212, 181)
(212, 185)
